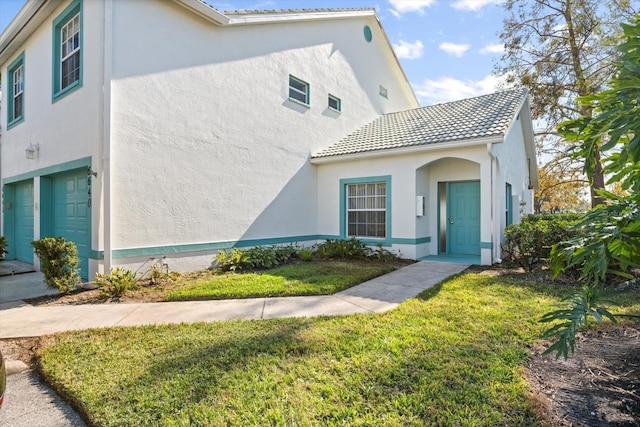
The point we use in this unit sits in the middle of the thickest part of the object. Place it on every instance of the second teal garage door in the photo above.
(71, 213)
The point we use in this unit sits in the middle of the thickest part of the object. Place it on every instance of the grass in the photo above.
(453, 356)
(308, 278)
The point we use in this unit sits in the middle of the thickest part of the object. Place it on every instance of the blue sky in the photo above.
(447, 47)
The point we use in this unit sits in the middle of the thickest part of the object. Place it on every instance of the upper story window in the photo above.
(67, 50)
(335, 103)
(15, 98)
(298, 90)
(383, 92)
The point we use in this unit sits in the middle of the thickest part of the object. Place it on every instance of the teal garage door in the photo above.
(71, 213)
(23, 222)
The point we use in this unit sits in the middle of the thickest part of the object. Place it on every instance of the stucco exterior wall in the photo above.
(412, 175)
(513, 168)
(67, 129)
(206, 145)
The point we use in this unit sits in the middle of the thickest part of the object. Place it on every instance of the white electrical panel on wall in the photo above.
(420, 206)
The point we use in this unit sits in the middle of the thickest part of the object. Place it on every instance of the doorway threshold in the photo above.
(458, 259)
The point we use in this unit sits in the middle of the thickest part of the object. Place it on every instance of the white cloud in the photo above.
(407, 6)
(473, 5)
(492, 48)
(454, 49)
(408, 50)
(447, 89)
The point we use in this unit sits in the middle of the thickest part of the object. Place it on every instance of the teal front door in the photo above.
(23, 223)
(71, 214)
(463, 218)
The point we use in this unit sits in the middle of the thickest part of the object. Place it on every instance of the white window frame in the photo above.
(72, 30)
(383, 92)
(367, 197)
(18, 90)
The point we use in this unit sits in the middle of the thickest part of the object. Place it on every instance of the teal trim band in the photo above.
(486, 245)
(405, 241)
(13, 67)
(343, 206)
(216, 246)
(57, 92)
(50, 170)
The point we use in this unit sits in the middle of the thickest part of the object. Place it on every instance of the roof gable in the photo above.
(465, 120)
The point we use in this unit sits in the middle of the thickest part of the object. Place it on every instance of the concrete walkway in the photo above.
(31, 403)
(19, 319)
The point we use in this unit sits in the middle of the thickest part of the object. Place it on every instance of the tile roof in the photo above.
(479, 117)
(275, 11)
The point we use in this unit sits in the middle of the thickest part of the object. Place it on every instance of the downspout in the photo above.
(493, 203)
(106, 133)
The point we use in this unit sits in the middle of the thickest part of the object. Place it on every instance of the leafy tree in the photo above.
(561, 189)
(561, 50)
(609, 239)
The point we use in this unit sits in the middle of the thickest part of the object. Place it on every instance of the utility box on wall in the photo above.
(420, 206)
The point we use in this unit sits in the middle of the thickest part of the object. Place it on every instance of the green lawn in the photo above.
(308, 278)
(453, 356)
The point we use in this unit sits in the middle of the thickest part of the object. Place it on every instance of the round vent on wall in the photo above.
(368, 35)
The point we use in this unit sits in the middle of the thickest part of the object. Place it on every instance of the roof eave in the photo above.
(530, 147)
(257, 19)
(219, 18)
(397, 61)
(205, 11)
(407, 150)
(32, 14)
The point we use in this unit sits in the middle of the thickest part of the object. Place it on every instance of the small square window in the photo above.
(298, 90)
(335, 103)
(383, 91)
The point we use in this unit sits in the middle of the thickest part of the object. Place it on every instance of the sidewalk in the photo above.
(19, 319)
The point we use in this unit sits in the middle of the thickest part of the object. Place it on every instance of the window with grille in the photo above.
(67, 50)
(15, 98)
(367, 210)
(70, 52)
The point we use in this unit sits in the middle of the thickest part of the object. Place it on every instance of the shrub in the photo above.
(256, 258)
(232, 260)
(284, 254)
(351, 248)
(3, 246)
(531, 240)
(260, 257)
(117, 283)
(382, 254)
(158, 271)
(306, 254)
(59, 262)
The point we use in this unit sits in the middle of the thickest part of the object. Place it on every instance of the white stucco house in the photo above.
(157, 128)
